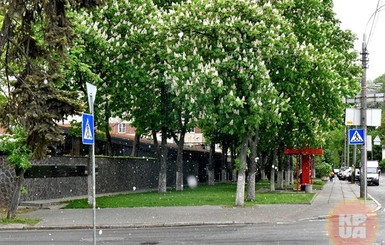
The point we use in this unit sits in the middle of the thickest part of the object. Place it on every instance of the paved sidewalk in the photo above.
(333, 193)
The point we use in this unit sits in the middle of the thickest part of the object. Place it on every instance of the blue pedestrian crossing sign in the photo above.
(88, 129)
(356, 137)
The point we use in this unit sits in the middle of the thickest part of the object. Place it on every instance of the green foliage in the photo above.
(263, 66)
(117, 52)
(318, 71)
(382, 165)
(75, 129)
(23, 190)
(322, 169)
(32, 71)
(14, 146)
(380, 81)
(238, 164)
(334, 146)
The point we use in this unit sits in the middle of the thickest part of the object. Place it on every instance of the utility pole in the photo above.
(363, 174)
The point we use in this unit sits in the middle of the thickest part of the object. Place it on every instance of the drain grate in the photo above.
(149, 243)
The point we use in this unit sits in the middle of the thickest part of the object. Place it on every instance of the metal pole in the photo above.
(363, 182)
(93, 174)
(354, 164)
(345, 143)
(347, 148)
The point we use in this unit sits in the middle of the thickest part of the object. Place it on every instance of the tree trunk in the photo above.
(224, 177)
(76, 145)
(107, 129)
(252, 171)
(263, 167)
(14, 8)
(287, 172)
(280, 163)
(162, 187)
(293, 175)
(156, 145)
(16, 194)
(272, 172)
(272, 179)
(232, 170)
(280, 179)
(135, 145)
(109, 139)
(263, 174)
(179, 162)
(240, 195)
(210, 165)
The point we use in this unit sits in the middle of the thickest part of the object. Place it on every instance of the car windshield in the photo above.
(372, 170)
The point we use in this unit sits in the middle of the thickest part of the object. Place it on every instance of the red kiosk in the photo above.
(306, 157)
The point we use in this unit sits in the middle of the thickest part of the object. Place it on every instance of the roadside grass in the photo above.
(17, 220)
(219, 194)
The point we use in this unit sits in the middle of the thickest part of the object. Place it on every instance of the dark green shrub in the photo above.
(382, 165)
(322, 169)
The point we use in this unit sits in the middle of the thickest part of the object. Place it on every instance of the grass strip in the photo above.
(219, 194)
(18, 220)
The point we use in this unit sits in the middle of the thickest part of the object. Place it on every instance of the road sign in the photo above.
(356, 137)
(88, 129)
(377, 140)
(378, 97)
(353, 117)
(91, 93)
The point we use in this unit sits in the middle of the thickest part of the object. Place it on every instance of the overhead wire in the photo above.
(373, 19)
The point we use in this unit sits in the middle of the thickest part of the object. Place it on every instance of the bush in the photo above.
(322, 169)
(382, 165)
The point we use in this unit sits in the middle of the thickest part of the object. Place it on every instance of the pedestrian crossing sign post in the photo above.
(356, 137)
(88, 129)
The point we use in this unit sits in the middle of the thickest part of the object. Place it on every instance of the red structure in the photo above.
(306, 157)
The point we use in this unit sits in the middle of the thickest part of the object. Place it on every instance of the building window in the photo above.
(122, 128)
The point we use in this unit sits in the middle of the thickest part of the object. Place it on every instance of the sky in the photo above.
(355, 15)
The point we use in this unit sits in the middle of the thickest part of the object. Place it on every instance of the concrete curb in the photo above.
(144, 225)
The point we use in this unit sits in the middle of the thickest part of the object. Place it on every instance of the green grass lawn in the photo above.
(219, 194)
(17, 220)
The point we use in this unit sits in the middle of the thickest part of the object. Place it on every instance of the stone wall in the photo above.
(120, 175)
(113, 175)
(63, 177)
(7, 177)
(49, 187)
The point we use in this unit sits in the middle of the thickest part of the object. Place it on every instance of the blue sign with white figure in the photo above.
(88, 129)
(356, 137)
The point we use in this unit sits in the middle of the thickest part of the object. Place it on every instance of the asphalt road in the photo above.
(306, 232)
(378, 193)
(303, 232)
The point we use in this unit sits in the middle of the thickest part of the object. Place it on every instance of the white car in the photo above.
(347, 174)
(357, 174)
